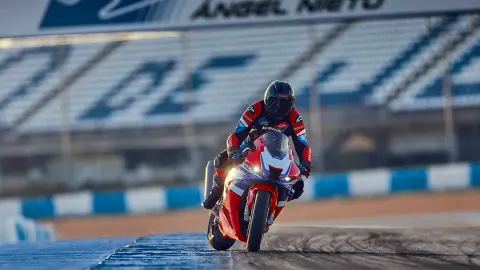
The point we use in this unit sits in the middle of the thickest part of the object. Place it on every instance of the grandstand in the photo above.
(427, 91)
(128, 101)
(141, 82)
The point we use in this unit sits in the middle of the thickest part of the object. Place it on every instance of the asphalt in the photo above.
(288, 247)
(364, 248)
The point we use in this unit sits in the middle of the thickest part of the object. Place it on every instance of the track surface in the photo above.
(78, 254)
(283, 248)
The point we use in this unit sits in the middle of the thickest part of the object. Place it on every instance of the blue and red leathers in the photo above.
(255, 122)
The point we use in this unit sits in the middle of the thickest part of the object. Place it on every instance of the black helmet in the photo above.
(279, 98)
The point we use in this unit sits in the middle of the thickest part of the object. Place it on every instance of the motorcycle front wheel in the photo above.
(258, 220)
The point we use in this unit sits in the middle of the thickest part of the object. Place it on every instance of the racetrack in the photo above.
(283, 248)
(362, 248)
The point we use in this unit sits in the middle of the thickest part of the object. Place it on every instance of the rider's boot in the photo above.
(298, 188)
(215, 192)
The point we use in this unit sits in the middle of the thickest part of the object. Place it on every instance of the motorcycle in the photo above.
(255, 193)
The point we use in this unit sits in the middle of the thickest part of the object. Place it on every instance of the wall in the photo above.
(323, 212)
(368, 183)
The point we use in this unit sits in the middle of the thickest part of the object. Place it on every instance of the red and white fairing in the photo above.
(250, 177)
(265, 159)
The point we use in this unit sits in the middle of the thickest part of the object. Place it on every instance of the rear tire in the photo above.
(209, 171)
(258, 220)
(215, 237)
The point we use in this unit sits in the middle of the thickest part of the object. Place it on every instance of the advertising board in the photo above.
(53, 17)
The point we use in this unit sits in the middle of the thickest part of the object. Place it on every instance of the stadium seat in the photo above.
(141, 83)
(365, 61)
(28, 74)
(427, 92)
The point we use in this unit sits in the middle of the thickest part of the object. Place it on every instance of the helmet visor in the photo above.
(280, 106)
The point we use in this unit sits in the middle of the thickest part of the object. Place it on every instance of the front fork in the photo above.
(251, 199)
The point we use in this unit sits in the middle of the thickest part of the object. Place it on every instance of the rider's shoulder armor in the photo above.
(264, 123)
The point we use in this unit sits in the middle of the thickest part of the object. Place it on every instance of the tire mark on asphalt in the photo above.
(330, 248)
(310, 248)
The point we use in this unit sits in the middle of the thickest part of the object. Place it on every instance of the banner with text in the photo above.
(46, 17)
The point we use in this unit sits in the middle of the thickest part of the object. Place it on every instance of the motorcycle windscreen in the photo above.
(276, 144)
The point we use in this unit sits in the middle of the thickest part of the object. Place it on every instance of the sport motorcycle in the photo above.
(255, 193)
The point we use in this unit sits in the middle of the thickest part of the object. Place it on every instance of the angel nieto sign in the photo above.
(65, 13)
(243, 9)
(56, 17)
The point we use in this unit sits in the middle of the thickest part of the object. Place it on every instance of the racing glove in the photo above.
(305, 168)
(234, 155)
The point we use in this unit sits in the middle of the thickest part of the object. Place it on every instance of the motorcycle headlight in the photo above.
(286, 179)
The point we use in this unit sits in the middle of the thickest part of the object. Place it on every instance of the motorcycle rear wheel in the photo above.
(215, 237)
(258, 220)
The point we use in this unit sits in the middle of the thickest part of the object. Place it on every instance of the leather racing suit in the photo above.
(255, 122)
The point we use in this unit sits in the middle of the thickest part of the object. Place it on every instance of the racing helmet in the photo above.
(279, 98)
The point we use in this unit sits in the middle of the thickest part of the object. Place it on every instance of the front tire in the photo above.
(258, 220)
(215, 237)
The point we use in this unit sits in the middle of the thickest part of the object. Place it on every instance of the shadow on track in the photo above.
(350, 248)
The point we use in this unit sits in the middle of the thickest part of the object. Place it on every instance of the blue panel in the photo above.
(38, 207)
(183, 197)
(408, 180)
(228, 61)
(109, 202)
(475, 175)
(87, 13)
(329, 186)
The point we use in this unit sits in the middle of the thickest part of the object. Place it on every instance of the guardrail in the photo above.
(378, 182)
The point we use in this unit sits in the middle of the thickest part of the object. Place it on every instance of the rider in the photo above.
(274, 113)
